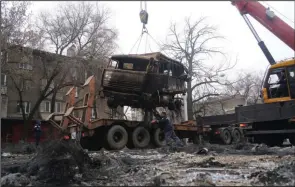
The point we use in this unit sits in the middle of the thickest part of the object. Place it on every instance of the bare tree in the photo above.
(248, 85)
(85, 25)
(193, 48)
(16, 25)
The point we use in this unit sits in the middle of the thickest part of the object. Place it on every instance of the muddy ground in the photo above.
(235, 165)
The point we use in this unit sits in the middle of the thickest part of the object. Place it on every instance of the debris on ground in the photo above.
(14, 179)
(283, 175)
(58, 162)
(231, 165)
(6, 155)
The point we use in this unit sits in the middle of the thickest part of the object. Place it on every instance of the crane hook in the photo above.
(143, 14)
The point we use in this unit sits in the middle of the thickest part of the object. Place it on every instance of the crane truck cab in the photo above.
(279, 83)
(143, 81)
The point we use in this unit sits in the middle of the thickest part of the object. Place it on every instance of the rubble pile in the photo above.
(283, 175)
(57, 162)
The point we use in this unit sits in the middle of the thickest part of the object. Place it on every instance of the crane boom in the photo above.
(273, 23)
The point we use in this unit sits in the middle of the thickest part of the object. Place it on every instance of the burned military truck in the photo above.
(144, 81)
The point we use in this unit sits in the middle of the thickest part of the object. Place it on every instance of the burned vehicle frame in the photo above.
(144, 81)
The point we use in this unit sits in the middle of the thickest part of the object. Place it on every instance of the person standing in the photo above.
(37, 130)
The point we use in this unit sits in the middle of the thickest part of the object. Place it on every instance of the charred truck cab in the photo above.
(279, 84)
(143, 81)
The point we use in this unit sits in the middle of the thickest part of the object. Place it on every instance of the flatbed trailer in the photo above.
(114, 134)
(270, 123)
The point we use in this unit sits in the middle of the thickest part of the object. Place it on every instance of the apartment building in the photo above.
(26, 59)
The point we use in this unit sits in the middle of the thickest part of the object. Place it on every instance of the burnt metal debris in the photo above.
(144, 81)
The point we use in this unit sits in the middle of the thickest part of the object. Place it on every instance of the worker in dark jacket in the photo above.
(37, 130)
(170, 135)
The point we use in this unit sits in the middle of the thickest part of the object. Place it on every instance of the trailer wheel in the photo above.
(226, 136)
(140, 137)
(117, 137)
(237, 135)
(158, 137)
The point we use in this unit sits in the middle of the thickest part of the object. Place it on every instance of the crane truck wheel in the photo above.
(140, 137)
(236, 135)
(158, 137)
(117, 137)
(225, 136)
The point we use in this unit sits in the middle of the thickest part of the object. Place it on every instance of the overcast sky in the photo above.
(240, 41)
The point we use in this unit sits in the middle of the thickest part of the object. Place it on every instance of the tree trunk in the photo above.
(190, 114)
(53, 99)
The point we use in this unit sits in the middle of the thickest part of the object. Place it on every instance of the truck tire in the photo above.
(236, 135)
(225, 136)
(158, 137)
(117, 137)
(140, 137)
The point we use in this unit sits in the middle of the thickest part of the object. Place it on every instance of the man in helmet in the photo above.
(170, 136)
(37, 130)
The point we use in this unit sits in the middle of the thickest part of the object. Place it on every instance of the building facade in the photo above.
(25, 60)
(220, 105)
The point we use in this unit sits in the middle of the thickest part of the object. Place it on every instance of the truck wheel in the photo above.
(140, 137)
(158, 137)
(226, 136)
(117, 137)
(237, 135)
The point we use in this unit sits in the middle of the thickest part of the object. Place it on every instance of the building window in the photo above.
(58, 107)
(25, 66)
(85, 75)
(74, 73)
(76, 94)
(93, 116)
(26, 85)
(46, 106)
(3, 80)
(26, 106)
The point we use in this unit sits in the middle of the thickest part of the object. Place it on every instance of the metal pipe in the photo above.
(251, 28)
(261, 44)
(185, 107)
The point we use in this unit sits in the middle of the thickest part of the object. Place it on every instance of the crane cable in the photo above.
(144, 20)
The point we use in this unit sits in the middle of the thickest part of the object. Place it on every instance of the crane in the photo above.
(269, 20)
